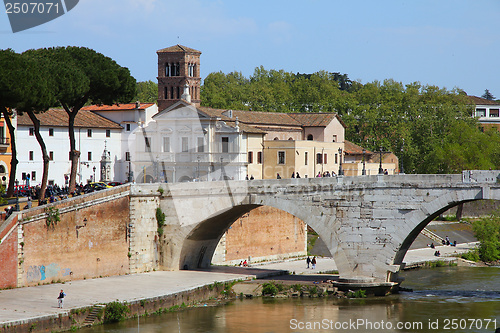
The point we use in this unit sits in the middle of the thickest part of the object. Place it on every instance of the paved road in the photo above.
(25, 303)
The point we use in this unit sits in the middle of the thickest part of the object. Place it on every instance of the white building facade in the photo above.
(93, 134)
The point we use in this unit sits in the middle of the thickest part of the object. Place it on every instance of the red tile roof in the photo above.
(59, 118)
(117, 107)
(313, 119)
(483, 101)
(178, 48)
(253, 117)
(353, 149)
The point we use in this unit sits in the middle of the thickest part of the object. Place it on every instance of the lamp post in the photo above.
(380, 170)
(17, 196)
(94, 173)
(341, 172)
(402, 151)
(363, 172)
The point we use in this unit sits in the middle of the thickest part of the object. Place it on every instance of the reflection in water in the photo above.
(440, 295)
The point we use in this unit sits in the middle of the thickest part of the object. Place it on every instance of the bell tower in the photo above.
(178, 68)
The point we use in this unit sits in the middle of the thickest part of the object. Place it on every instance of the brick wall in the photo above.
(86, 243)
(8, 255)
(265, 233)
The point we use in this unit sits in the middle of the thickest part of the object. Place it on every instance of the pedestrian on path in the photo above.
(60, 299)
(308, 261)
(313, 262)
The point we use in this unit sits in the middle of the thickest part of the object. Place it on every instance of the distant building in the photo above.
(92, 134)
(5, 150)
(487, 111)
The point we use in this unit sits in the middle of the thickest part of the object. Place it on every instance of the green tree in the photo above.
(12, 79)
(487, 95)
(83, 75)
(147, 92)
(487, 231)
(25, 86)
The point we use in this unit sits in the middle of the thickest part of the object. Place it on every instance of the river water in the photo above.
(448, 299)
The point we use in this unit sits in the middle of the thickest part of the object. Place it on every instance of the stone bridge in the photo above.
(367, 222)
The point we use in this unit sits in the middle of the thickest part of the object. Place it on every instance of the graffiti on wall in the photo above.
(42, 272)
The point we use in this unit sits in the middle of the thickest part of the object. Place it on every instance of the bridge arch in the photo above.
(428, 211)
(201, 241)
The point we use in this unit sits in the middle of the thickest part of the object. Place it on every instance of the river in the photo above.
(447, 299)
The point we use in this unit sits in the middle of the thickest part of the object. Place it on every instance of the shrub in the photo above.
(471, 255)
(360, 293)
(269, 289)
(114, 312)
(487, 231)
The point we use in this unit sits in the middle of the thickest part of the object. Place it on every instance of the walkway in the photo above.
(26, 303)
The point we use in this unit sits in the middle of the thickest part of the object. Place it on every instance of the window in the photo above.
(147, 143)
(89, 156)
(31, 155)
(166, 144)
(494, 113)
(281, 157)
(33, 175)
(325, 160)
(310, 137)
(185, 144)
(480, 112)
(31, 131)
(51, 155)
(127, 126)
(259, 157)
(51, 132)
(319, 158)
(336, 159)
(305, 158)
(23, 175)
(108, 133)
(201, 144)
(250, 157)
(89, 133)
(334, 138)
(225, 144)
(127, 156)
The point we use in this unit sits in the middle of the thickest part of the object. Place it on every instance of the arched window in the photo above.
(276, 138)
(2, 169)
(310, 137)
(290, 139)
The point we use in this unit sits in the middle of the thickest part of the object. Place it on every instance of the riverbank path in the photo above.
(23, 304)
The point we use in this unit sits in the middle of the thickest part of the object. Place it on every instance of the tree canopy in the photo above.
(24, 86)
(430, 129)
(147, 92)
(80, 75)
(487, 95)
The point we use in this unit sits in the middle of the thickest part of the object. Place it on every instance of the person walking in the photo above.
(313, 262)
(308, 261)
(60, 299)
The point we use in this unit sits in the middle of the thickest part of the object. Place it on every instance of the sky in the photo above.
(448, 43)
